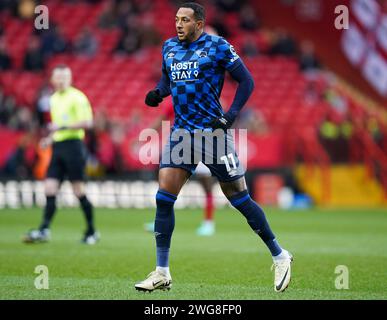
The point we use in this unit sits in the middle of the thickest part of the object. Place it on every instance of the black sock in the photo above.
(87, 209)
(49, 211)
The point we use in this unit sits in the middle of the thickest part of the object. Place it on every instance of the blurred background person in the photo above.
(71, 115)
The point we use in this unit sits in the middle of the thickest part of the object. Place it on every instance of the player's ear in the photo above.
(200, 24)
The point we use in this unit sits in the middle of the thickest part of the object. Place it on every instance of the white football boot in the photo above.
(155, 280)
(282, 272)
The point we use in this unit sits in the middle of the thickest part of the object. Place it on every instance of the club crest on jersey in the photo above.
(201, 54)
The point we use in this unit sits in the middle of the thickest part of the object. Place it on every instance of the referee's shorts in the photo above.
(68, 160)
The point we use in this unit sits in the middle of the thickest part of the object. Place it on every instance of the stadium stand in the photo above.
(298, 106)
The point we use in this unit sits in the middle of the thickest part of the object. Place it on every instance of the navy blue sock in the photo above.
(256, 219)
(164, 225)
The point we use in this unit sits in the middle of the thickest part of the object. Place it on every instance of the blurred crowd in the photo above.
(136, 33)
(106, 139)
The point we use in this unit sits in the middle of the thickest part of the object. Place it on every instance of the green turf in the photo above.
(233, 264)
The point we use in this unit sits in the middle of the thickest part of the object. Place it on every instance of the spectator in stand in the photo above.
(248, 18)
(253, 120)
(105, 151)
(22, 119)
(332, 138)
(250, 47)
(373, 126)
(5, 59)
(108, 18)
(26, 9)
(7, 108)
(337, 101)
(53, 41)
(347, 127)
(117, 134)
(43, 105)
(312, 94)
(149, 36)
(229, 5)
(94, 168)
(130, 39)
(308, 60)
(142, 6)
(3, 111)
(11, 6)
(17, 164)
(283, 44)
(86, 43)
(219, 25)
(33, 60)
(129, 43)
(125, 10)
(116, 13)
(5, 4)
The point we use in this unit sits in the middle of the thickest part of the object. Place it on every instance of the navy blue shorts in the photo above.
(216, 150)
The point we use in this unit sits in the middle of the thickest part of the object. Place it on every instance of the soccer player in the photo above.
(193, 70)
(71, 115)
(204, 177)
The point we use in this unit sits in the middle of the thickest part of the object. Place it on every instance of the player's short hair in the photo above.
(61, 66)
(199, 11)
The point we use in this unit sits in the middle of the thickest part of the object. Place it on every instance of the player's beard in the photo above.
(191, 35)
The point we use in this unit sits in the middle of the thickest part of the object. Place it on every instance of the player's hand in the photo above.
(45, 142)
(223, 122)
(52, 127)
(153, 98)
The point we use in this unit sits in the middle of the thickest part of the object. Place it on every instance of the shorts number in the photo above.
(226, 161)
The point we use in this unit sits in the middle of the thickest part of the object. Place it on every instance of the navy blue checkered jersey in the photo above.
(196, 74)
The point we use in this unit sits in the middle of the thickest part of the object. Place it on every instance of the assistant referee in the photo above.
(71, 115)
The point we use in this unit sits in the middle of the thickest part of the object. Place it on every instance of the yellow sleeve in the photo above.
(83, 108)
(53, 110)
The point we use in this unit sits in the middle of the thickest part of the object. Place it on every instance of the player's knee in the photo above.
(164, 198)
(239, 198)
(168, 186)
(78, 189)
(51, 187)
(79, 194)
(172, 180)
(233, 188)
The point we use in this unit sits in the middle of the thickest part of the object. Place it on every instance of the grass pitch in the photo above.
(233, 264)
